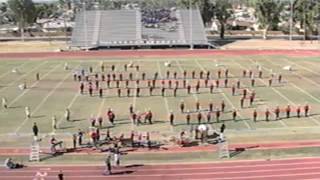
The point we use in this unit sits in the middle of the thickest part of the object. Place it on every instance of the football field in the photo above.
(56, 90)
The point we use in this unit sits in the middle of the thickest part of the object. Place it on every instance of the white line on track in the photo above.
(21, 77)
(42, 102)
(227, 98)
(250, 174)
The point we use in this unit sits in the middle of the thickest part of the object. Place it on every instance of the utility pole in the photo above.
(85, 25)
(291, 19)
(191, 25)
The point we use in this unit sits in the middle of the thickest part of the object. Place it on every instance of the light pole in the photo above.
(291, 19)
(85, 25)
(191, 25)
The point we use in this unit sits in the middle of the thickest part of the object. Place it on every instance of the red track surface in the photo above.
(306, 168)
(208, 148)
(154, 53)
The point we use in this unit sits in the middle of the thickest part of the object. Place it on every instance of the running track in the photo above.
(154, 53)
(304, 168)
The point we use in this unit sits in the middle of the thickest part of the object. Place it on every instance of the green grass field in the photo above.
(56, 90)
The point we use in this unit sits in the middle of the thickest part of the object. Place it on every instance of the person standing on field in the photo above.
(54, 123)
(27, 112)
(4, 103)
(67, 114)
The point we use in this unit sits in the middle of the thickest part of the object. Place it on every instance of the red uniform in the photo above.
(119, 92)
(226, 73)
(188, 89)
(182, 107)
(234, 115)
(199, 117)
(277, 112)
(255, 115)
(298, 112)
(288, 110)
(306, 110)
(223, 105)
(211, 88)
(267, 113)
(201, 74)
(198, 106)
(219, 73)
(233, 90)
(171, 118)
(188, 118)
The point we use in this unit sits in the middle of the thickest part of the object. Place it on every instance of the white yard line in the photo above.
(42, 102)
(227, 98)
(21, 77)
(164, 98)
(33, 85)
(303, 77)
(10, 71)
(276, 91)
(283, 96)
(307, 69)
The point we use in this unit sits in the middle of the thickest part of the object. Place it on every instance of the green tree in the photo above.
(24, 13)
(268, 14)
(306, 12)
(223, 11)
(206, 8)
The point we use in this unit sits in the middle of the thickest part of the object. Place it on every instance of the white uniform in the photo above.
(4, 103)
(54, 123)
(27, 111)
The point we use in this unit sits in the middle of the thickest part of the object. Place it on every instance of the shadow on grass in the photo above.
(236, 151)
(67, 127)
(76, 120)
(15, 107)
(39, 116)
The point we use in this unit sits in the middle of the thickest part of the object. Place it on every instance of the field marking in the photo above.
(302, 90)
(75, 97)
(10, 71)
(307, 69)
(226, 97)
(42, 102)
(280, 121)
(21, 77)
(33, 85)
(283, 96)
(164, 98)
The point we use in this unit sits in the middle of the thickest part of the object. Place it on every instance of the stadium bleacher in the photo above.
(133, 28)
